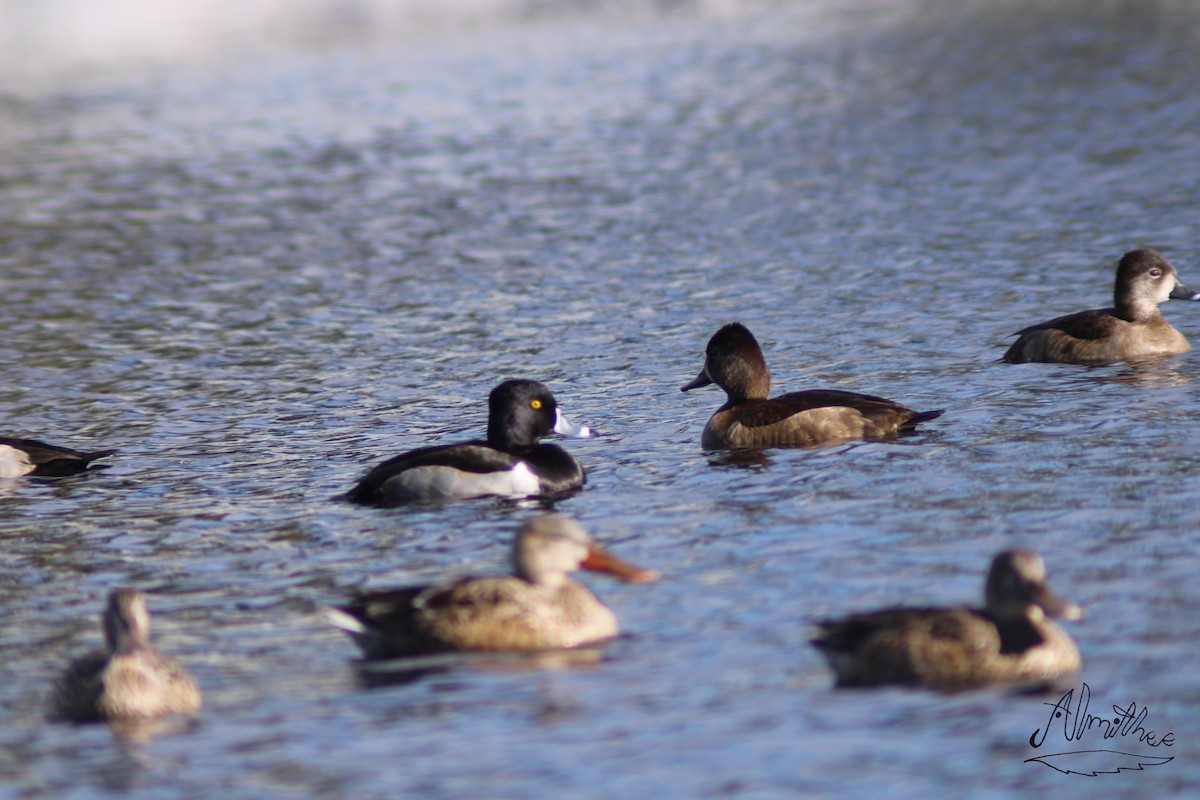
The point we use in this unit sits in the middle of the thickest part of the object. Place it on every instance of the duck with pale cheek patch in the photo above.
(1132, 328)
(129, 680)
(509, 463)
(538, 607)
(20, 457)
(1011, 640)
(751, 418)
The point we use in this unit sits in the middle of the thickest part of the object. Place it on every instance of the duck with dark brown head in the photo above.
(751, 418)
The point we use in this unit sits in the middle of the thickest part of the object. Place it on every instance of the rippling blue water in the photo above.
(258, 273)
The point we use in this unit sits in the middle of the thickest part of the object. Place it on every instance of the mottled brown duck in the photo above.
(128, 680)
(1011, 640)
(538, 607)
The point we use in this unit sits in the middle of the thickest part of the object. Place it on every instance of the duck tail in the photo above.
(73, 463)
(364, 493)
(925, 416)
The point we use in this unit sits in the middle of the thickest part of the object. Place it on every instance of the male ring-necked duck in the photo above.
(735, 362)
(40, 460)
(1008, 641)
(1132, 328)
(537, 607)
(509, 463)
(128, 680)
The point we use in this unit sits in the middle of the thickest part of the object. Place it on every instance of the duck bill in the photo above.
(565, 427)
(1181, 292)
(1055, 606)
(701, 380)
(600, 560)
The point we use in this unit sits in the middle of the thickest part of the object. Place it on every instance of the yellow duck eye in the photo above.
(535, 404)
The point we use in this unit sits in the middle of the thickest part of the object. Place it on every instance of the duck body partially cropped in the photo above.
(20, 457)
(1133, 328)
(510, 462)
(539, 607)
(129, 679)
(750, 418)
(1011, 640)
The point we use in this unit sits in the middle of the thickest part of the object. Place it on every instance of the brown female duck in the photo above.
(1132, 328)
(734, 361)
(1009, 641)
(130, 680)
(538, 607)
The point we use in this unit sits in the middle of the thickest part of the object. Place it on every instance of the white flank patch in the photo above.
(427, 483)
(13, 462)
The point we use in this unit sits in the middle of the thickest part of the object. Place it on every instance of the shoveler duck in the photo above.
(538, 607)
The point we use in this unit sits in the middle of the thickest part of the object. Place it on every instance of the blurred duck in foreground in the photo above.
(20, 457)
(1010, 640)
(751, 418)
(1132, 328)
(128, 681)
(538, 607)
(509, 463)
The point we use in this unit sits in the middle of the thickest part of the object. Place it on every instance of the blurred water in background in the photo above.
(261, 247)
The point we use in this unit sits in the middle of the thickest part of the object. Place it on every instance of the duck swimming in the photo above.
(537, 607)
(20, 457)
(751, 418)
(509, 463)
(1132, 328)
(1011, 640)
(128, 680)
